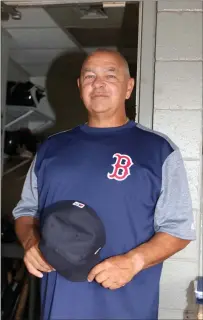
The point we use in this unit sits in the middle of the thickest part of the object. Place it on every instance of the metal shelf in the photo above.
(28, 117)
(15, 164)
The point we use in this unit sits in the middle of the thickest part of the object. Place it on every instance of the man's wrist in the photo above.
(27, 231)
(137, 260)
(32, 239)
(30, 242)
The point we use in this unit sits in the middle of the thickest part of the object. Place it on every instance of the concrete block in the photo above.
(166, 314)
(176, 289)
(186, 5)
(193, 174)
(184, 128)
(178, 85)
(179, 36)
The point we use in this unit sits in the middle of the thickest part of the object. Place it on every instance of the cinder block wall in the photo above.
(178, 113)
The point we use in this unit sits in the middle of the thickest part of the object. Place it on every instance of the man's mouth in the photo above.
(98, 95)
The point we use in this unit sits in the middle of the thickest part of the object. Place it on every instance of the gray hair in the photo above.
(106, 50)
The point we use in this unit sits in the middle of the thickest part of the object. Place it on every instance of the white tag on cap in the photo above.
(79, 204)
(97, 250)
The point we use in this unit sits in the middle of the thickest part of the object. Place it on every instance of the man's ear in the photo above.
(79, 87)
(130, 86)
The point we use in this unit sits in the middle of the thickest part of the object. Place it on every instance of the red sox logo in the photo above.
(121, 168)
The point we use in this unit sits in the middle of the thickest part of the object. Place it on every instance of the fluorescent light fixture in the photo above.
(114, 4)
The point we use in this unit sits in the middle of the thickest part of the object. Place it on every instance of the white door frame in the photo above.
(4, 73)
(146, 52)
(146, 63)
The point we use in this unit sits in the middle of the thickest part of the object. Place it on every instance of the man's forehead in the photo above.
(104, 60)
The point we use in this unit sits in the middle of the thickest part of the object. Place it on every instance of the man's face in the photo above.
(104, 83)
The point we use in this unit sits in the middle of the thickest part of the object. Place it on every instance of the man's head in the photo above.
(105, 82)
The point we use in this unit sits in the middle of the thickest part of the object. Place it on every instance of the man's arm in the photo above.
(26, 211)
(173, 219)
(117, 271)
(173, 224)
(27, 225)
(159, 248)
(27, 231)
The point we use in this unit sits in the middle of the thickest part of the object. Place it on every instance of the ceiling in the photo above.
(44, 33)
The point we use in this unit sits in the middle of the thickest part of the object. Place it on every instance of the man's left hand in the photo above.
(115, 272)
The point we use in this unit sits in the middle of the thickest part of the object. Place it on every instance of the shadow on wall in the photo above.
(191, 309)
(63, 93)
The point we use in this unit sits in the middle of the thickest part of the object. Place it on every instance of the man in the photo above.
(136, 182)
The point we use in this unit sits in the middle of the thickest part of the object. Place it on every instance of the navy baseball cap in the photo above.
(72, 236)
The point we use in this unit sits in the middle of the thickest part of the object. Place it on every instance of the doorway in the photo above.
(51, 42)
(46, 47)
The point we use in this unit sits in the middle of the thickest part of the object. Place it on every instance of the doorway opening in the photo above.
(47, 47)
(50, 43)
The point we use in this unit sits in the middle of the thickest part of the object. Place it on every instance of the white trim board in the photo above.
(146, 63)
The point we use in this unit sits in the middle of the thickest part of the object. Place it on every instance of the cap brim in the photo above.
(74, 273)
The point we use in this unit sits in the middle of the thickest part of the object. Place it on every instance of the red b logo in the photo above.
(121, 169)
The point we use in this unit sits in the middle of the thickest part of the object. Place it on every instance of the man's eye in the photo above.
(111, 76)
(89, 76)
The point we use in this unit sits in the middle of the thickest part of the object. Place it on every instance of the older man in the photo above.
(136, 182)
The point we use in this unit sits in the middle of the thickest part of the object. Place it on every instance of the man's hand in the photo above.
(35, 263)
(115, 272)
(27, 230)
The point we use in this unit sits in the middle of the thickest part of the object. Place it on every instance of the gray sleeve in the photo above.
(28, 204)
(173, 213)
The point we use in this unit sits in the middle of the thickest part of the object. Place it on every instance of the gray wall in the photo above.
(178, 113)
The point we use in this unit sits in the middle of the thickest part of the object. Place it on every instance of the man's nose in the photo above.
(98, 82)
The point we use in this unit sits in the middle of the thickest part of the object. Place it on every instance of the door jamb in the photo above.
(146, 63)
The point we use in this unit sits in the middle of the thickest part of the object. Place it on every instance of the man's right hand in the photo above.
(35, 262)
(27, 230)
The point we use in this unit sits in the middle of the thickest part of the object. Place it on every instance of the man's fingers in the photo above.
(44, 263)
(38, 256)
(115, 286)
(32, 260)
(97, 269)
(34, 257)
(107, 283)
(32, 270)
(101, 277)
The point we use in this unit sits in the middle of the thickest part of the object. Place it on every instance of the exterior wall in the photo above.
(178, 113)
